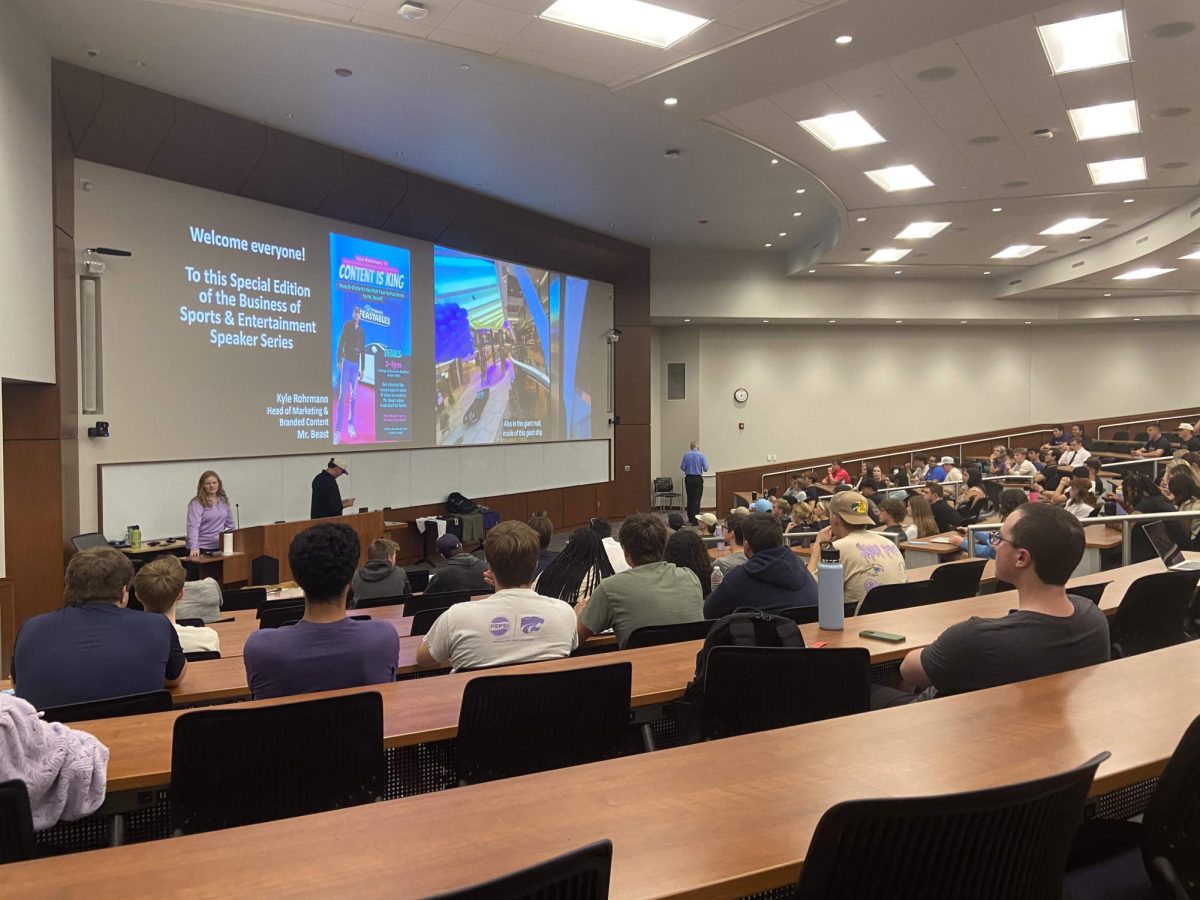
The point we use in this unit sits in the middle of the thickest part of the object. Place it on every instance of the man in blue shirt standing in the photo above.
(694, 466)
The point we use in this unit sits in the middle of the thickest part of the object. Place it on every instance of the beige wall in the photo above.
(679, 419)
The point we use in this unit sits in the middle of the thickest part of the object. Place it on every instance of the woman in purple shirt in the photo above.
(208, 514)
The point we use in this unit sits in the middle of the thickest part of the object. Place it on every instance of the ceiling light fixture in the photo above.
(783, 234)
(685, 321)
(843, 39)
(1108, 295)
(1072, 226)
(898, 272)
(899, 321)
(987, 273)
(1088, 42)
(800, 190)
(833, 321)
(413, 12)
(1142, 273)
(918, 230)
(997, 209)
(797, 214)
(841, 131)
(631, 20)
(1115, 171)
(1195, 254)
(670, 101)
(861, 219)
(1127, 200)
(1018, 251)
(899, 178)
(1105, 120)
(889, 254)
(774, 161)
(768, 244)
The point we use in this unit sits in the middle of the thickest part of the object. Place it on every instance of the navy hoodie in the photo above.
(770, 580)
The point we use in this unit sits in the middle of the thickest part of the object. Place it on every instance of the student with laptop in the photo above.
(1168, 551)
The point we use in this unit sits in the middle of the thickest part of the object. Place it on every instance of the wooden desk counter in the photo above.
(720, 819)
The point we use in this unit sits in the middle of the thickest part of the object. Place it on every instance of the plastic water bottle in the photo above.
(720, 533)
(830, 589)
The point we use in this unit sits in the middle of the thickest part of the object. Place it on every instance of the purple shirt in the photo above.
(307, 657)
(205, 524)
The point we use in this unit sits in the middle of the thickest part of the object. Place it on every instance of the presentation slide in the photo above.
(508, 348)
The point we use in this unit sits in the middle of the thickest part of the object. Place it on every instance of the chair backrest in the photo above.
(956, 581)
(516, 724)
(233, 767)
(664, 484)
(292, 602)
(376, 602)
(437, 600)
(89, 540)
(424, 619)
(801, 615)
(1142, 436)
(1120, 435)
(581, 874)
(110, 708)
(16, 823)
(190, 623)
(1171, 825)
(1005, 842)
(886, 597)
(657, 635)
(1152, 614)
(418, 579)
(277, 615)
(1091, 592)
(201, 655)
(243, 598)
(750, 689)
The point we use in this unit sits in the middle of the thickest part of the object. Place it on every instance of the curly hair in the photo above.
(323, 559)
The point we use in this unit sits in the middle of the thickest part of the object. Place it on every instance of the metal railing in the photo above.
(1126, 522)
(1154, 460)
(1183, 417)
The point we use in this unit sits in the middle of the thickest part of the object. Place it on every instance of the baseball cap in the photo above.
(740, 511)
(762, 504)
(708, 519)
(1185, 425)
(851, 507)
(448, 543)
(946, 461)
(340, 462)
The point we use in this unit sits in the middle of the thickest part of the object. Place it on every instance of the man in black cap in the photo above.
(462, 572)
(326, 497)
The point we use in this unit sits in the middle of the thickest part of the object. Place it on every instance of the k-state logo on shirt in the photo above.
(531, 624)
(499, 626)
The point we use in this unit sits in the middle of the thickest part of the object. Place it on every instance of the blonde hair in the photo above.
(159, 582)
(922, 516)
(804, 513)
(382, 548)
(202, 496)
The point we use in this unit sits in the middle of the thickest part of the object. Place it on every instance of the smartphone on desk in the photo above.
(873, 635)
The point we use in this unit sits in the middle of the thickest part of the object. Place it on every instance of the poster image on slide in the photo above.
(371, 354)
(493, 343)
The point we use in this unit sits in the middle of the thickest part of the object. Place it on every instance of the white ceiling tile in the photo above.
(318, 8)
(481, 20)
(810, 101)
(1095, 86)
(1008, 51)
(576, 68)
(1158, 129)
(705, 9)
(589, 47)
(1074, 10)
(942, 56)
(711, 35)
(660, 60)
(479, 45)
(752, 15)
(436, 10)
(392, 23)
(529, 7)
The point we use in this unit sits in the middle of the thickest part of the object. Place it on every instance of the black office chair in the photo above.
(280, 616)
(110, 708)
(663, 494)
(1091, 592)
(1142, 436)
(424, 619)
(377, 602)
(1160, 856)
(516, 724)
(887, 597)
(190, 623)
(657, 635)
(1120, 435)
(243, 598)
(581, 874)
(293, 602)
(233, 767)
(89, 540)
(1000, 843)
(801, 615)
(16, 823)
(749, 689)
(956, 581)
(437, 600)
(418, 579)
(1153, 614)
(201, 655)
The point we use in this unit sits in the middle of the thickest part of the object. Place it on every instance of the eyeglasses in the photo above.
(995, 539)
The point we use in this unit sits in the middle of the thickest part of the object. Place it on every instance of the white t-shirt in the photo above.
(953, 476)
(193, 638)
(1079, 509)
(1075, 457)
(1024, 467)
(514, 625)
(616, 555)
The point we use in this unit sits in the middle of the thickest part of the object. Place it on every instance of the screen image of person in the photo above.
(372, 341)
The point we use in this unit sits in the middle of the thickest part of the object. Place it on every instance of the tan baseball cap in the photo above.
(340, 462)
(708, 519)
(851, 507)
(1185, 426)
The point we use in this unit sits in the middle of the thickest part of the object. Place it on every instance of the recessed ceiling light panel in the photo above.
(1072, 226)
(1116, 171)
(631, 20)
(1018, 251)
(1195, 254)
(888, 254)
(842, 130)
(1105, 120)
(918, 230)
(1142, 274)
(899, 178)
(1085, 43)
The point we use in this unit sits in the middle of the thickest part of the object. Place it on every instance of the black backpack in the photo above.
(750, 628)
(458, 505)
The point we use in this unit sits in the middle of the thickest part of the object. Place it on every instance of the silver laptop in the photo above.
(1167, 549)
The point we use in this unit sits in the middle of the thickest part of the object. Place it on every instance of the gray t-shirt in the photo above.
(982, 653)
(658, 593)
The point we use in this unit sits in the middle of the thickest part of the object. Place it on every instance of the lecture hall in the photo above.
(570, 449)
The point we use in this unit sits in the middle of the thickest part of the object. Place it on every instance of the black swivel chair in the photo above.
(110, 708)
(233, 767)
(888, 597)
(1120, 435)
(1000, 843)
(657, 635)
(438, 600)
(243, 598)
(1153, 614)
(581, 874)
(749, 689)
(956, 581)
(291, 602)
(1091, 592)
(801, 615)
(16, 823)
(376, 602)
(516, 724)
(418, 579)
(424, 619)
(201, 655)
(277, 615)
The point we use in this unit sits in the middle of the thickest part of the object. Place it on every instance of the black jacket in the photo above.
(770, 580)
(462, 572)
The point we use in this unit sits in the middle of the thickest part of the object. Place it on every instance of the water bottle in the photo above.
(134, 535)
(720, 533)
(830, 589)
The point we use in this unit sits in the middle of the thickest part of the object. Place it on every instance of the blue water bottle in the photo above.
(830, 590)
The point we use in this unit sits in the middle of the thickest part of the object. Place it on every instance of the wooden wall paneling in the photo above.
(509, 506)
(8, 625)
(293, 172)
(426, 209)
(631, 371)
(209, 148)
(631, 296)
(608, 501)
(367, 192)
(65, 394)
(33, 523)
(128, 127)
(62, 160)
(632, 449)
(551, 502)
(80, 93)
(579, 505)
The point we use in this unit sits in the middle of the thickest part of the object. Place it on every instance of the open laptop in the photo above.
(1167, 549)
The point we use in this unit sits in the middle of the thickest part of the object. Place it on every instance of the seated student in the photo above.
(1075, 455)
(953, 474)
(1050, 475)
(1010, 499)
(514, 625)
(920, 469)
(1187, 437)
(944, 514)
(772, 578)
(575, 571)
(1051, 631)
(868, 559)
(970, 500)
(762, 505)
(735, 536)
(687, 550)
(1062, 493)
(1184, 491)
(64, 770)
(545, 532)
(463, 571)
(201, 600)
(1058, 439)
(1141, 495)
(159, 586)
(95, 647)
(380, 577)
(650, 592)
(1099, 485)
(616, 556)
(325, 650)
(1021, 463)
(676, 521)
(892, 513)
(803, 516)
(1156, 445)
(706, 523)
(835, 474)
(1082, 502)
(998, 462)
(938, 472)
(1078, 432)
(922, 523)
